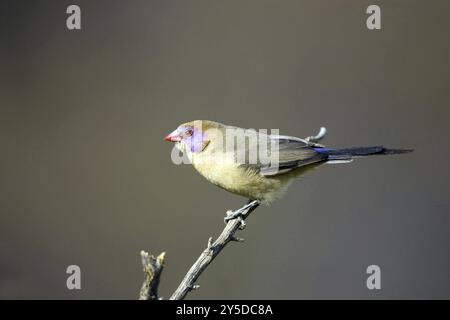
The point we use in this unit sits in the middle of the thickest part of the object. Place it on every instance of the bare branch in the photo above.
(152, 273)
(212, 251)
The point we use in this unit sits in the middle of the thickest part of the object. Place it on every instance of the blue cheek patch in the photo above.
(196, 141)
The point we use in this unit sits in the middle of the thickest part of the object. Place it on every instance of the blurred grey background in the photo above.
(87, 179)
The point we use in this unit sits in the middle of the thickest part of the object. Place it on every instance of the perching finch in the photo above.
(253, 164)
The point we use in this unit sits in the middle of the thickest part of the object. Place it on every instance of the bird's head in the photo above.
(194, 136)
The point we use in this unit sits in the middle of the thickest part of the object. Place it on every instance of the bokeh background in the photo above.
(86, 179)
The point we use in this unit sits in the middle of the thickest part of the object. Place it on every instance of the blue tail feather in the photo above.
(349, 153)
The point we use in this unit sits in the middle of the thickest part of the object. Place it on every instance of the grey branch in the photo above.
(154, 266)
(152, 273)
(212, 250)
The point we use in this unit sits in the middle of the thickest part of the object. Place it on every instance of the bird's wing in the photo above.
(293, 153)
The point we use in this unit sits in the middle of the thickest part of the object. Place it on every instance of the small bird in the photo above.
(232, 158)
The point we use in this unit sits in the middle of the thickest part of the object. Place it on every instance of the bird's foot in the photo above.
(238, 214)
(231, 215)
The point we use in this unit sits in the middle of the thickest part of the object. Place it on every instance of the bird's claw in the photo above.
(241, 213)
(228, 216)
(231, 215)
(238, 214)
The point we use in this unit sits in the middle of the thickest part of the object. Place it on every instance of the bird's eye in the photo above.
(189, 132)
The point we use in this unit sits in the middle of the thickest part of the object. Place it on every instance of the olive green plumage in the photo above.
(232, 158)
(256, 181)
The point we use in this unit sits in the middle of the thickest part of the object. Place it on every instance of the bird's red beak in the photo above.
(173, 137)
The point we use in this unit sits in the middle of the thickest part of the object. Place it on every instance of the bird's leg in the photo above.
(239, 213)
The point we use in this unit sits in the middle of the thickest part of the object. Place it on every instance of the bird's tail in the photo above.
(348, 154)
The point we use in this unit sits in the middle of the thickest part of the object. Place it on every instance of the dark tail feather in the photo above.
(349, 153)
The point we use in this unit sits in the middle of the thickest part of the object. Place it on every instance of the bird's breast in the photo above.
(220, 171)
(226, 173)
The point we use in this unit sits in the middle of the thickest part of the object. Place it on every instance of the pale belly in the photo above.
(237, 179)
